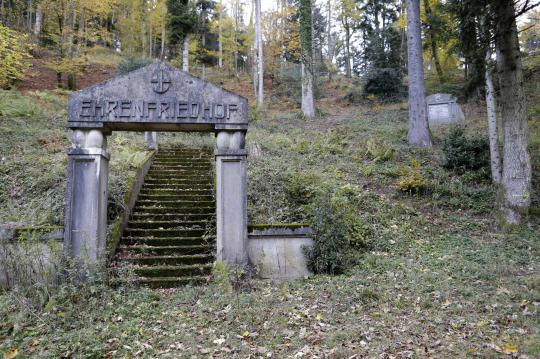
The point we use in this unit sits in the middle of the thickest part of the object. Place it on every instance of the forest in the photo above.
(426, 234)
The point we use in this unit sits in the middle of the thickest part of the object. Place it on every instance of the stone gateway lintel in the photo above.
(156, 96)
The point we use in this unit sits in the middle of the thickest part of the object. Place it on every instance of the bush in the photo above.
(385, 83)
(411, 179)
(14, 49)
(329, 253)
(465, 152)
(132, 64)
(354, 96)
(379, 150)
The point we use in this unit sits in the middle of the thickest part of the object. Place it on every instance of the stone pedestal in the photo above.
(86, 197)
(231, 198)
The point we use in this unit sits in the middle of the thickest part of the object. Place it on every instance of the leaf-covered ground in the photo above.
(467, 292)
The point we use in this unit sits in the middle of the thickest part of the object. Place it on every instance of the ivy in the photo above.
(306, 32)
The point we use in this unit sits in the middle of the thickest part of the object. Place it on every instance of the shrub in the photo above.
(385, 83)
(14, 49)
(329, 253)
(354, 96)
(379, 150)
(465, 152)
(132, 64)
(255, 114)
(411, 179)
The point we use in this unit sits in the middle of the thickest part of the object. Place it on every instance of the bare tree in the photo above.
(418, 122)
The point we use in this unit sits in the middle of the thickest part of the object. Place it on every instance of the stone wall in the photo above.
(277, 251)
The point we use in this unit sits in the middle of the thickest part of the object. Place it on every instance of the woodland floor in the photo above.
(437, 278)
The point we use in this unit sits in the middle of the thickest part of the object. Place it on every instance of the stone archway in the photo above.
(157, 97)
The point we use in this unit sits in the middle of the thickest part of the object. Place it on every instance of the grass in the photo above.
(439, 279)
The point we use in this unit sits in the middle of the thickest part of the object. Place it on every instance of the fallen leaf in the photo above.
(508, 348)
(11, 354)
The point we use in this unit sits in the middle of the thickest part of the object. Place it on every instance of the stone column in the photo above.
(231, 198)
(86, 196)
(151, 140)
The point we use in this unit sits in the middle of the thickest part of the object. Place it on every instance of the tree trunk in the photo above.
(348, 71)
(306, 43)
(255, 66)
(492, 125)
(329, 33)
(81, 38)
(433, 43)
(260, 58)
(418, 122)
(29, 15)
(220, 37)
(37, 24)
(516, 172)
(162, 51)
(403, 38)
(185, 54)
(71, 75)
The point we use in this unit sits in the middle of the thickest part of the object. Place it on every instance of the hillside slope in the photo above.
(434, 276)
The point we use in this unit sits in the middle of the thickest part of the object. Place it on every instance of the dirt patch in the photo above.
(41, 77)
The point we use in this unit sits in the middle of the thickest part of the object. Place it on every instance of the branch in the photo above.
(526, 28)
(526, 7)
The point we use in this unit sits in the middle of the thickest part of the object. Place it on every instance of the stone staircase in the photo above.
(170, 238)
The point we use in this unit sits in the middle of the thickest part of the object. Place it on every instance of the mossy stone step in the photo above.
(183, 168)
(191, 173)
(173, 271)
(176, 180)
(183, 156)
(185, 150)
(164, 282)
(168, 224)
(175, 210)
(186, 178)
(181, 161)
(178, 183)
(169, 260)
(175, 204)
(205, 152)
(165, 241)
(209, 217)
(176, 196)
(167, 250)
(181, 185)
(177, 192)
(165, 183)
(173, 165)
(148, 232)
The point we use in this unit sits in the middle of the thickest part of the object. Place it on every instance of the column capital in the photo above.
(88, 142)
(231, 143)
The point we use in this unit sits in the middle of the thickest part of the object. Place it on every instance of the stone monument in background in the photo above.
(443, 108)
